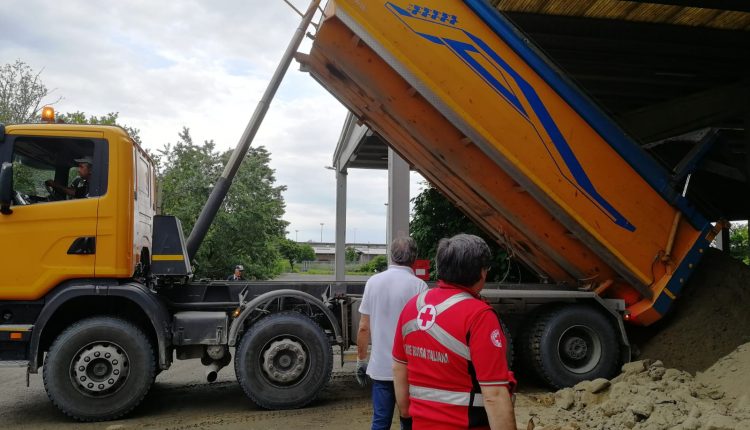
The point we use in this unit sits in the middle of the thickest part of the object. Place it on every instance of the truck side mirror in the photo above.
(6, 188)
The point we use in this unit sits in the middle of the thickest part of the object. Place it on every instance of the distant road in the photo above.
(303, 277)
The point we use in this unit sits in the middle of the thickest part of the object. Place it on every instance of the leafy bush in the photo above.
(377, 264)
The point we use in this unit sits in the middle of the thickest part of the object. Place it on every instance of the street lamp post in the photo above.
(321, 231)
(296, 235)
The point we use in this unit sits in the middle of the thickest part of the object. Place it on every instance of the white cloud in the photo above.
(204, 65)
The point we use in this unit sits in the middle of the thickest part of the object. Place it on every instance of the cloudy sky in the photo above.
(203, 65)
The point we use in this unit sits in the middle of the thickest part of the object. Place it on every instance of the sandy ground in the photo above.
(181, 399)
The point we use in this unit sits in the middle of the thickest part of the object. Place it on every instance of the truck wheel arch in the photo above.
(251, 307)
(102, 293)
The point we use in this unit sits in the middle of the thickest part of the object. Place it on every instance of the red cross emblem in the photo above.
(426, 317)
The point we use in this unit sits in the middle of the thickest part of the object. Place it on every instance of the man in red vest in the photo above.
(450, 369)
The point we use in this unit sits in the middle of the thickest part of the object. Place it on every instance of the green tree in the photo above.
(435, 217)
(290, 250)
(352, 255)
(307, 253)
(28, 181)
(738, 243)
(248, 226)
(22, 93)
(296, 252)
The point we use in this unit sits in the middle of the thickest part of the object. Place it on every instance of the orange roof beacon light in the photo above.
(48, 114)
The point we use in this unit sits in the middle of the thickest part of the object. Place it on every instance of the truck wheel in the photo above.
(571, 344)
(283, 361)
(99, 369)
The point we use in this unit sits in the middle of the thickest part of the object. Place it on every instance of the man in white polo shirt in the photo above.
(385, 296)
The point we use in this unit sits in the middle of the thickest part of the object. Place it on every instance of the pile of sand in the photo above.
(707, 322)
(706, 334)
(648, 396)
(731, 375)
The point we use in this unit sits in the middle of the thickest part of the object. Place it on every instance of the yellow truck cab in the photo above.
(77, 205)
(58, 237)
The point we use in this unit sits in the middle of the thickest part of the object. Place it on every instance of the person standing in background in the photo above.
(237, 275)
(385, 295)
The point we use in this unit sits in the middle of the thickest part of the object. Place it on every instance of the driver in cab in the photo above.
(79, 188)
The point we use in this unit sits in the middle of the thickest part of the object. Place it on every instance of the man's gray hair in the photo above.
(403, 251)
(461, 258)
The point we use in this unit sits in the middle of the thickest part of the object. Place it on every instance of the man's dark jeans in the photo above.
(383, 402)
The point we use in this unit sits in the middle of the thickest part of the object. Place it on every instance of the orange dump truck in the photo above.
(459, 93)
(97, 290)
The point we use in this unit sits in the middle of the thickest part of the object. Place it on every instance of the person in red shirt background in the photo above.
(449, 360)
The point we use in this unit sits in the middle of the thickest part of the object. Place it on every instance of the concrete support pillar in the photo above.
(398, 197)
(722, 240)
(340, 226)
(719, 240)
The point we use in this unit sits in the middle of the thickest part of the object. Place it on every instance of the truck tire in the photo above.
(570, 344)
(99, 369)
(509, 347)
(283, 361)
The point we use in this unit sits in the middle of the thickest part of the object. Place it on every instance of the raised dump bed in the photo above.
(460, 94)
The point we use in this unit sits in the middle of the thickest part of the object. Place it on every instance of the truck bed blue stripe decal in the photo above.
(465, 51)
(654, 174)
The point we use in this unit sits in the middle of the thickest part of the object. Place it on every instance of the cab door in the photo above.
(49, 237)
